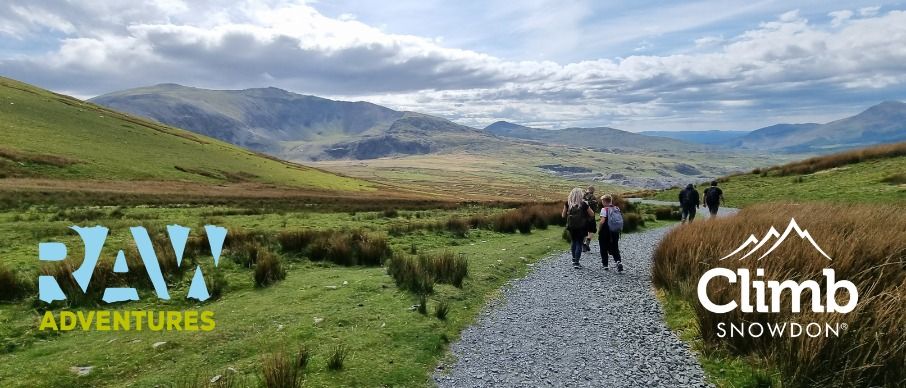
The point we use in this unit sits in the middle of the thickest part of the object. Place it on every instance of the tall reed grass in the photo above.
(868, 247)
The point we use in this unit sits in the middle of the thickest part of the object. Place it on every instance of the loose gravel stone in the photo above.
(561, 326)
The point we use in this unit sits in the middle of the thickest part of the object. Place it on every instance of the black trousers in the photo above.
(610, 245)
(688, 213)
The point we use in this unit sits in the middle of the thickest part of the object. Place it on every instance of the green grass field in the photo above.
(55, 136)
(358, 307)
(860, 182)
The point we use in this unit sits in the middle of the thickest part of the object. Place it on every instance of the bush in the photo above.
(390, 213)
(409, 274)
(217, 283)
(295, 241)
(868, 247)
(279, 370)
(458, 226)
(12, 286)
(247, 254)
(303, 356)
(666, 213)
(337, 357)
(268, 270)
(441, 311)
(447, 267)
(632, 222)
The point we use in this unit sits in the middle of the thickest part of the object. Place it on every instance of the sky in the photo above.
(634, 65)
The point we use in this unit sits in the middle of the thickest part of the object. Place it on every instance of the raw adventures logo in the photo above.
(94, 239)
(749, 284)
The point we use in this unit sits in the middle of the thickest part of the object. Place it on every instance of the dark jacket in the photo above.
(689, 197)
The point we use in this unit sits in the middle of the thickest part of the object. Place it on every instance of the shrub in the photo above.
(632, 222)
(12, 286)
(295, 241)
(868, 246)
(409, 274)
(247, 254)
(441, 310)
(457, 226)
(337, 357)
(666, 213)
(268, 270)
(278, 370)
(349, 248)
(390, 213)
(217, 283)
(303, 356)
(447, 267)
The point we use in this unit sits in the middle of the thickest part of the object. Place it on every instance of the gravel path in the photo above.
(576, 328)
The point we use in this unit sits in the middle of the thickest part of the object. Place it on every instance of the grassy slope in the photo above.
(107, 145)
(391, 344)
(860, 182)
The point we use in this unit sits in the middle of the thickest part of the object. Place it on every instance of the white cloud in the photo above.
(840, 16)
(291, 45)
(869, 11)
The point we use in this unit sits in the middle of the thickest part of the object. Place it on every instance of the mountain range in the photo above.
(882, 123)
(297, 127)
(310, 128)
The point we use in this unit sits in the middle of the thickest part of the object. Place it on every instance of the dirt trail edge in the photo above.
(560, 326)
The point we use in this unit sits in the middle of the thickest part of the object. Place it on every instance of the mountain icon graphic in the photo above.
(778, 238)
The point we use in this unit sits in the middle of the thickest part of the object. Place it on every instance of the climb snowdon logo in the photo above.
(834, 290)
(94, 238)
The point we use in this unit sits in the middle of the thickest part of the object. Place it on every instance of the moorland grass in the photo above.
(370, 314)
(42, 129)
(868, 247)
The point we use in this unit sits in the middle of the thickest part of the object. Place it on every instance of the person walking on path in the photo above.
(689, 200)
(577, 213)
(592, 202)
(609, 232)
(714, 196)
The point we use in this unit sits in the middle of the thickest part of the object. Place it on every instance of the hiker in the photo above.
(609, 232)
(714, 196)
(592, 202)
(689, 201)
(577, 214)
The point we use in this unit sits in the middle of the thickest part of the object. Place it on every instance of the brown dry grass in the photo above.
(23, 192)
(840, 159)
(868, 247)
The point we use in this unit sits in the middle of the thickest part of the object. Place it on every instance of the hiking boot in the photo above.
(606, 267)
(576, 265)
(619, 267)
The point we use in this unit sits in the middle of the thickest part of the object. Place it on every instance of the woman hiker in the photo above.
(577, 214)
(609, 232)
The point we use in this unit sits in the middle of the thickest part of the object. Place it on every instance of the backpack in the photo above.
(592, 202)
(712, 195)
(576, 218)
(685, 197)
(614, 219)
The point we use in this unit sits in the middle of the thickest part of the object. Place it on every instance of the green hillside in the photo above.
(873, 174)
(47, 135)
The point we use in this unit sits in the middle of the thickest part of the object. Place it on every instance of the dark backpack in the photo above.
(686, 197)
(712, 195)
(592, 202)
(576, 218)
